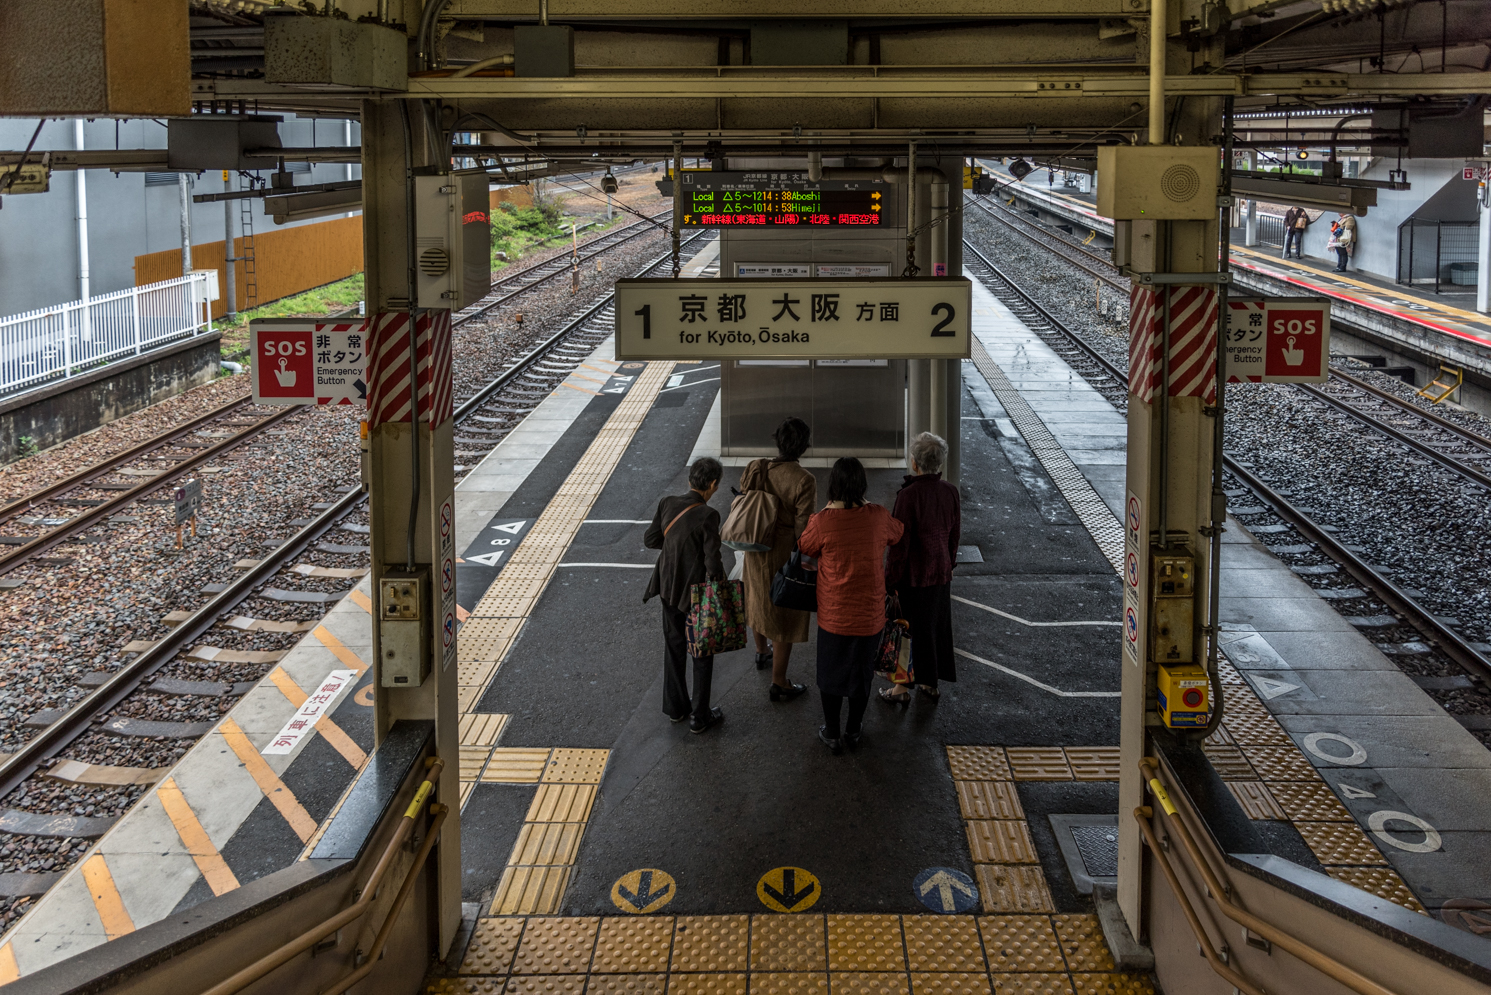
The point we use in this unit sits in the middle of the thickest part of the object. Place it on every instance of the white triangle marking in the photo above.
(1271, 688)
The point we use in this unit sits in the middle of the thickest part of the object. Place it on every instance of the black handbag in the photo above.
(795, 586)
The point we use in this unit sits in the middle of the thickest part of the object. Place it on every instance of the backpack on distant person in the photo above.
(752, 523)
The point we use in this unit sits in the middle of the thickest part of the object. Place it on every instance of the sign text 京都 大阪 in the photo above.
(728, 199)
(865, 318)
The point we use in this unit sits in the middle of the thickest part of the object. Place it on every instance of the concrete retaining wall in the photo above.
(61, 411)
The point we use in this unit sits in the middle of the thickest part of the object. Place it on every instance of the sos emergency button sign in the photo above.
(1278, 339)
(304, 362)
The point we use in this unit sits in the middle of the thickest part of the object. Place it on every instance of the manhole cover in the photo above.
(1098, 846)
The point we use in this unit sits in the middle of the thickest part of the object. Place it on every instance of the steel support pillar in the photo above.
(411, 483)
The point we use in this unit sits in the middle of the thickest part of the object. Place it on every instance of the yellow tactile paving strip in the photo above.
(539, 866)
(838, 954)
(1272, 779)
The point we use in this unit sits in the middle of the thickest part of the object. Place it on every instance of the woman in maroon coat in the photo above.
(920, 567)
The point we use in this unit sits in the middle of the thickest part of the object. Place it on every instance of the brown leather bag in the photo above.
(752, 523)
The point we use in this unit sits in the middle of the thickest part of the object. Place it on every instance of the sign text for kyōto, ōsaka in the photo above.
(793, 319)
(306, 362)
(1278, 340)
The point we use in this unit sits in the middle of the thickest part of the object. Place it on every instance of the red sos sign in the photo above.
(1296, 343)
(284, 366)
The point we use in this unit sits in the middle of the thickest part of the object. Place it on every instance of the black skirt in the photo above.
(846, 664)
(930, 612)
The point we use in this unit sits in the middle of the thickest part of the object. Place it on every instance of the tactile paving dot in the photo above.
(943, 941)
(789, 984)
(1021, 943)
(569, 766)
(707, 984)
(1340, 843)
(465, 986)
(865, 943)
(1255, 730)
(556, 945)
(546, 984)
(1013, 888)
(989, 800)
(1280, 763)
(627, 984)
(711, 943)
(1112, 984)
(1383, 882)
(978, 763)
(492, 946)
(949, 984)
(1310, 801)
(852, 983)
(633, 945)
(787, 943)
(1032, 984)
(1082, 941)
(1039, 763)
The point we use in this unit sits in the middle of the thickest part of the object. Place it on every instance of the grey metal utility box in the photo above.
(329, 53)
(209, 141)
(543, 50)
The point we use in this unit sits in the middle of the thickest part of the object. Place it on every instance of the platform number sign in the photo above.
(794, 318)
(1278, 340)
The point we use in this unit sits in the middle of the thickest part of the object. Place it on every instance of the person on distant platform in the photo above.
(776, 629)
(1344, 231)
(849, 538)
(920, 567)
(1296, 220)
(687, 530)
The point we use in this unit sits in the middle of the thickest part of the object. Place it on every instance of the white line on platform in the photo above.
(623, 566)
(617, 521)
(1031, 680)
(1033, 625)
(691, 383)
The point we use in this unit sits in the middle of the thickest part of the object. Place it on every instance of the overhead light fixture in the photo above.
(1019, 169)
(1302, 154)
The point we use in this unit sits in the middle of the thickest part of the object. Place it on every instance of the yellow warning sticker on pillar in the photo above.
(788, 889)
(642, 891)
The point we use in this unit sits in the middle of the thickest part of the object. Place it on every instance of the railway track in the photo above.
(1113, 380)
(1453, 447)
(505, 399)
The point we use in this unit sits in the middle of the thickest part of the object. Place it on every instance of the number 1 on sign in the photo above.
(645, 313)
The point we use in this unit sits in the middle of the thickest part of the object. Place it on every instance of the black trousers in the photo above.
(1295, 237)
(676, 700)
(832, 703)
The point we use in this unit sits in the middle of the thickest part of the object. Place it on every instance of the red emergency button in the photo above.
(1192, 697)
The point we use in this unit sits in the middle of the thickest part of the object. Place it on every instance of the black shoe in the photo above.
(716, 716)
(835, 746)
(678, 718)
(779, 693)
(851, 739)
(763, 660)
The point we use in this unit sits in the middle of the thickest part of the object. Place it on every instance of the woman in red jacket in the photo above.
(849, 538)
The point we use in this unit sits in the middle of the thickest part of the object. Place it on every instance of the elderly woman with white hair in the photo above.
(919, 567)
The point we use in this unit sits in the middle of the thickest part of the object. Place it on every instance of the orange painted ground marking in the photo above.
(106, 898)
(215, 870)
(269, 782)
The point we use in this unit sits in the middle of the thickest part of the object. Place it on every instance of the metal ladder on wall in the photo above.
(246, 241)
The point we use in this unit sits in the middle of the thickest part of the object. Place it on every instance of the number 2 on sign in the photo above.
(951, 312)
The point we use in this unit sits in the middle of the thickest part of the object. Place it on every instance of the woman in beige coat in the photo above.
(796, 492)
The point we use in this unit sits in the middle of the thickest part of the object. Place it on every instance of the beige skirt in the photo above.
(782, 625)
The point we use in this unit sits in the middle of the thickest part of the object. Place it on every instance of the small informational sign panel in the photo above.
(309, 362)
(187, 498)
(793, 319)
(316, 704)
(1278, 339)
(1133, 574)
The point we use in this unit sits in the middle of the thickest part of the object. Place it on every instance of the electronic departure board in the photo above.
(727, 199)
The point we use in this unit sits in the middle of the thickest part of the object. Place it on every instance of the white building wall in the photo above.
(126, 217)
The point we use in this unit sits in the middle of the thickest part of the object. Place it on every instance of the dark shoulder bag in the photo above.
(795, 586)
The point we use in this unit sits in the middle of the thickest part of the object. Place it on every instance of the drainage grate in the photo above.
(1098, 846)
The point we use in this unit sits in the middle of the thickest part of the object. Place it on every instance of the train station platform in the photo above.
(955, 850)
(1429, 328)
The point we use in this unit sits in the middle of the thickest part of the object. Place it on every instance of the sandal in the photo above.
(929, 692)
(889, 695)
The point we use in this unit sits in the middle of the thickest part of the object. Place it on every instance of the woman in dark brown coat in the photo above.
(796, 491)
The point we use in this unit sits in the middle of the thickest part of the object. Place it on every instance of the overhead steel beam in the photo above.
(525, 11)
